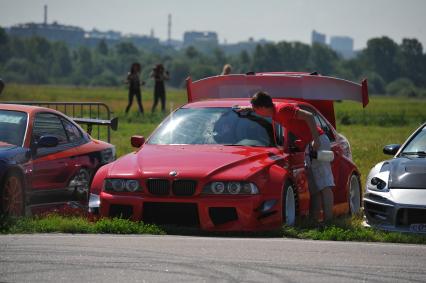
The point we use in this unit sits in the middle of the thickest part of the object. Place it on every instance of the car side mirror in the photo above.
(137, 141)
(48, 141)
(391, 149)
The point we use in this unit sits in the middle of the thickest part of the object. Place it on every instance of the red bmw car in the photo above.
(209, 166)
(46, 160)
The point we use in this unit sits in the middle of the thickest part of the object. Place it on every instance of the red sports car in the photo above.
(212, 167)
(46, 160)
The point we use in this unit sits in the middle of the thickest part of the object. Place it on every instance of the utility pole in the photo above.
(45, 14)
(169, 30)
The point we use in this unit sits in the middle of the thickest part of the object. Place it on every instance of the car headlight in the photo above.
(121, 185)
(232, 188)
(108, 155)
(377, 182)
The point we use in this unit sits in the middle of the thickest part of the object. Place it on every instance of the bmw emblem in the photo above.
(173, 173)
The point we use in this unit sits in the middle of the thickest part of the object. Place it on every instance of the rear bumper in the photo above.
(214, 213)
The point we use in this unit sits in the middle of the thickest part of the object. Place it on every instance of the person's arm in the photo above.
(310, 121)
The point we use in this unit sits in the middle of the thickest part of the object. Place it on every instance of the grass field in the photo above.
(385, 120)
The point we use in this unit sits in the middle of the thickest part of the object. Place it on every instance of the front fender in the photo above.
(98, 179)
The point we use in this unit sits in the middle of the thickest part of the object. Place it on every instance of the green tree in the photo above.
(323, 59)
(62, 65)
(381, 56)
(413, 61)
(102, 47)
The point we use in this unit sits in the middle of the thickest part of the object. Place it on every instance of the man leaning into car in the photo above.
(302, 124)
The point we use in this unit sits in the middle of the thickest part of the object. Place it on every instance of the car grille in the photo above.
(161, 187)
(184, 187)
(408, 216)
(158, 187)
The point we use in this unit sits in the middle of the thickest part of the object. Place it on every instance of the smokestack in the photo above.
(45, 14)
(169, 30)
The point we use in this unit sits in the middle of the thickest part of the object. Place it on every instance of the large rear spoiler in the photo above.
(299, 86)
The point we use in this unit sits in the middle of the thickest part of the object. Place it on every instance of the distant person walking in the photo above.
(134, 86)
(227, 69)
(1, 86)
(160, 75)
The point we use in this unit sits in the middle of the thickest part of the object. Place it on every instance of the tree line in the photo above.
(391, 68)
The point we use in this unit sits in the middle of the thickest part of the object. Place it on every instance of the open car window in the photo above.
(221, 126)
(321, 123)
(13, 125)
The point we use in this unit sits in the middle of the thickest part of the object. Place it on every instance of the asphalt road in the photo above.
(110, 258)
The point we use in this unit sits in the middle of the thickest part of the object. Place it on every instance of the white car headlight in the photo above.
(378, 182)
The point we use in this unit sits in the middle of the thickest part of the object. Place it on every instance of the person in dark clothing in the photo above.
(134, 86)
(159, 74)
(1, 86)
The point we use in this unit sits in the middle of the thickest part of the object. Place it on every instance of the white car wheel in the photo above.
(289, 215)
(354, 195)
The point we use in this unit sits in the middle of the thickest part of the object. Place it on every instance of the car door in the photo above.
(336, 166)
(52, 166)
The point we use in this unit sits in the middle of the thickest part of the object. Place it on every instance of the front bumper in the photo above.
(387, 214)
(212, 213)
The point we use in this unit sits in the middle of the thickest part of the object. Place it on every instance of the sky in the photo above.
(233, 20)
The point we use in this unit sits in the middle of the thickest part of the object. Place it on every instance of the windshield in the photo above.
(12, 127)
(214, 126)
(417, 144)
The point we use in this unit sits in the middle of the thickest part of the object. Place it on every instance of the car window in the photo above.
(49, 124)
(321, 123)
(214, 126)
(418, 143)
(13, 125)
(73, 133)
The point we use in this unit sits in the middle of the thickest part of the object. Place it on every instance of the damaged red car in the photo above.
(211, 167)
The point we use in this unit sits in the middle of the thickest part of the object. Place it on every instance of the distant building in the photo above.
(55, 32)
(249, 46)
(343, 45)
(318, 38)
(200, 39)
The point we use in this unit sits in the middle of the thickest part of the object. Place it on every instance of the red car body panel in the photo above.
(270, 168)
(50, 174)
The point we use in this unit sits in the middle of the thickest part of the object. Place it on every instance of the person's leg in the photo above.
(327, 202)
(139, 100)
(130, 102)
(154, 105)
(315, 207)
(163, 101)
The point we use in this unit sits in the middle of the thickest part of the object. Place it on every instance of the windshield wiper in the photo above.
(419, 153)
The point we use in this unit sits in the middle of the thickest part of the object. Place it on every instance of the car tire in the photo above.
(289, 205)
(13, 195)
(354, 195)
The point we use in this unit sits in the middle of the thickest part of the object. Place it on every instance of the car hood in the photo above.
(194, 161)
(407, 173)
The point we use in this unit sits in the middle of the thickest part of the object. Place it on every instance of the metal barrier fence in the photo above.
(88, 113)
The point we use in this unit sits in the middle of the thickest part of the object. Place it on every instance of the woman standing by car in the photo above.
(134, 86)
(159, 74)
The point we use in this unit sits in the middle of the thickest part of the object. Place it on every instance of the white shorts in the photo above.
(321, 172)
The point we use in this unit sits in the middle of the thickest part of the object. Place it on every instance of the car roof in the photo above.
(25, 108)
(229, 102)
